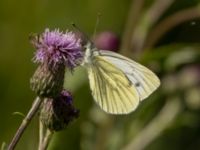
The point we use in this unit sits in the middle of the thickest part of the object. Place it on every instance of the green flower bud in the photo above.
(48, 81)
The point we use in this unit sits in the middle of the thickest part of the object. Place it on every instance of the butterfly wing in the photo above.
(144, 80)
(111, 88)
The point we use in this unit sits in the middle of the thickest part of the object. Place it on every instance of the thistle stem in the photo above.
(25, 123)
(46, 140)
(41, 133)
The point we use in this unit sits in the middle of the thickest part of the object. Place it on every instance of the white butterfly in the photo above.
(117, 83)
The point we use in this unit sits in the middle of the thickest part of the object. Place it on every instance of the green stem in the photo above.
(150, 17)
(170, 22)
(25, 123)
(163, 120)
(132, 20)
(41, 133)
(46, 140)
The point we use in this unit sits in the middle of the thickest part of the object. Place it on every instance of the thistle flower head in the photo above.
(55, 47)
(56, 113)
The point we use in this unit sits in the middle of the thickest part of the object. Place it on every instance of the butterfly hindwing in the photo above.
(111, 88)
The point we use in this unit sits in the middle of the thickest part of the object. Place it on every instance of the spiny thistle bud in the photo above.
(48, 81)
(56, 113)
(55, 51)
(107, 41)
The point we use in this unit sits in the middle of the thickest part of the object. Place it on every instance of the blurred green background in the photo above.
(163, 35)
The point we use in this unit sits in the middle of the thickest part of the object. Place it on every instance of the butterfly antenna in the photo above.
(96, 25)
(83, 34)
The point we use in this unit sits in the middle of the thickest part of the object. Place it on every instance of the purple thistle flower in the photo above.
(57, 113)
(55, 47)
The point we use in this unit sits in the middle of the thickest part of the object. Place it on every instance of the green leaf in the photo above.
(3, 146)
(169, 57)
(18, 113)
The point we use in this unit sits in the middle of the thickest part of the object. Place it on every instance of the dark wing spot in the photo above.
(137, 84)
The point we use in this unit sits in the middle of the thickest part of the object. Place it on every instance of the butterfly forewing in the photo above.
(144, 80)
(111, 88)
